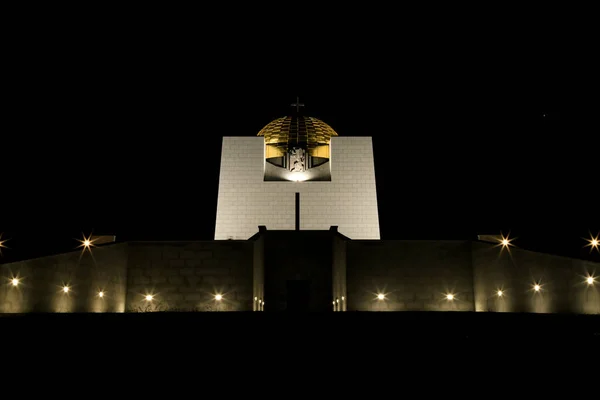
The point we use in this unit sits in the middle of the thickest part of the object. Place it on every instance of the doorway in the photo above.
(298, 295)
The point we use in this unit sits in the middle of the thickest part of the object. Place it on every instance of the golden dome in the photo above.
(309, 133)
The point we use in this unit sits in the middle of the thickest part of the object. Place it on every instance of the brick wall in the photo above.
(413, 275)
(562, 280)
(186, 276)
(246, 201)
(42, 280)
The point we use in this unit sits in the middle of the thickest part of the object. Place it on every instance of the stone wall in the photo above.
(41, 282)
(413, 275)
(562, 280)
(246, 201)
(186, 276)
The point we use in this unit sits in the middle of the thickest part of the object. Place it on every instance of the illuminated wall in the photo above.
(412, 275)
(187, 276)
(41, 282)
(562, 281)
(246, 201)
(183, 276)
(418, 276)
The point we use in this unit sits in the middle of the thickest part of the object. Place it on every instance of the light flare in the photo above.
(87, 243)
(593, 242)
(2, 245)
(505, 242)
(590, 280)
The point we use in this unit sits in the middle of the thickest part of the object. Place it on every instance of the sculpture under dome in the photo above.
(297, 148)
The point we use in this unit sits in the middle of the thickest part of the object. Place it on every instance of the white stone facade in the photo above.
(246, 201)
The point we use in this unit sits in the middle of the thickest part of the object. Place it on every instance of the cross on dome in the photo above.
(297, 104)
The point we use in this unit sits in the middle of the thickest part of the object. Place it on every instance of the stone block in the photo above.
(172, 297)
(176, 280)
(170, 254)
(193, 297)
(424, 295)
(193, 263)
(141, 280)
(187, 289)
(210, 264)
(152, 272)
(176, 263)
(193, 280)
(203, 255)
(186, 254)
(186, 271)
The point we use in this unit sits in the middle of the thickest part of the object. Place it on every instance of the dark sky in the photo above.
(472, 133)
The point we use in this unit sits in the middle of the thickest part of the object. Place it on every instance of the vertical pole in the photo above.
(297, 211)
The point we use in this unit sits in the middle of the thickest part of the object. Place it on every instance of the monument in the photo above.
(297, 229)
(297, 161)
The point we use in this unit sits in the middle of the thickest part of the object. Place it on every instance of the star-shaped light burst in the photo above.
(505, 242)
(87, 243)
(590, 280)
(2, 246)
(593, 242)
(536, 287)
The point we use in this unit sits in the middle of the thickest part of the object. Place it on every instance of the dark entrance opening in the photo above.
(298, 295)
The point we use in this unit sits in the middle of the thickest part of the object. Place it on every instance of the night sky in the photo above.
(121, 136)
